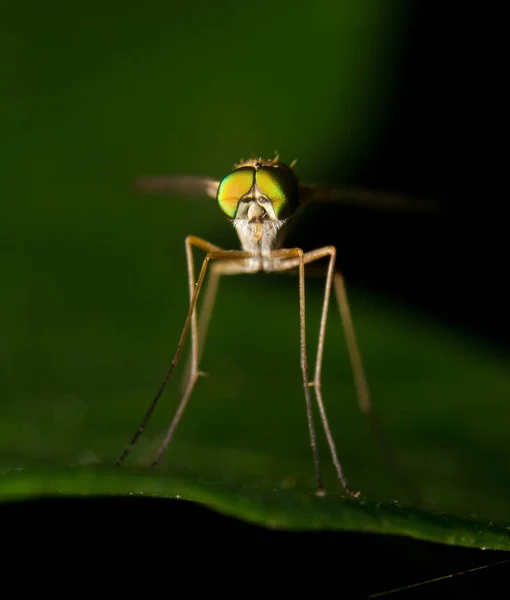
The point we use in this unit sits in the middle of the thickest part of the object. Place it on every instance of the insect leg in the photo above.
(213, 253)
(308, 257)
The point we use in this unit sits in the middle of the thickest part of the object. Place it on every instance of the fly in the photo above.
(260, 197)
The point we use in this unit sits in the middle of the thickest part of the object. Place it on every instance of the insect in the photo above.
(261, 198)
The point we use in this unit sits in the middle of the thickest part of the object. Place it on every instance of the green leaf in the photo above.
(276, 508)
(242, 446)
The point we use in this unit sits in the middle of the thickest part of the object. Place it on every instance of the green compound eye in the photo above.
(233, 187)
(280, 186)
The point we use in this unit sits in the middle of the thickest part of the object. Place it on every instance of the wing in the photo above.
(184, 186)
(357, 196)
(194, 187)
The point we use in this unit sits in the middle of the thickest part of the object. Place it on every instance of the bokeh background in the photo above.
(385, 95)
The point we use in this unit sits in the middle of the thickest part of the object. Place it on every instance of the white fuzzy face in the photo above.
(256, 222)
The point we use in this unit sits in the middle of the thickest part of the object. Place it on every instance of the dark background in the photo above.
(441, 141)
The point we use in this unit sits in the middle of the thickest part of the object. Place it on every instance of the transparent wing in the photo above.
(183, 186)
(194, 187)
(357, 196)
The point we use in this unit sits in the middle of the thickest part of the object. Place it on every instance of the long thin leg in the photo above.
(311, 256)
(292, 258)
(211, 290)
(197, 346)
(213, 253)
(364, 401)
(361, 384)
(328, 251)
(360, 380)
(210, 294)
(304, 369)
(192, 375)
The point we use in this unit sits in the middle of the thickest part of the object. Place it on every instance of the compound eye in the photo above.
(233, 187)
(280, 186)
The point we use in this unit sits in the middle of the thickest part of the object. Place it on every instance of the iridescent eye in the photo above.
(279, 184)
(233, 187)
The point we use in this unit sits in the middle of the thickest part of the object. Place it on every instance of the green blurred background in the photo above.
(94, 280)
